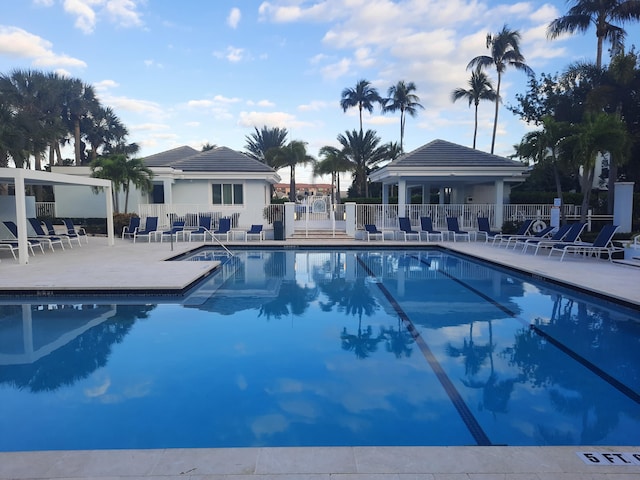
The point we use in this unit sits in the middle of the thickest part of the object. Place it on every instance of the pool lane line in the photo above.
(612, 381)
(468, 418)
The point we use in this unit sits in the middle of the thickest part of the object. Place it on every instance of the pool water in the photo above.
(323, 348)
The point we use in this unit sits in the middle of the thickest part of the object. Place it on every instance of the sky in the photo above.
(193, 72)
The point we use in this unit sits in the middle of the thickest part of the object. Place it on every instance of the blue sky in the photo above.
(189, 72)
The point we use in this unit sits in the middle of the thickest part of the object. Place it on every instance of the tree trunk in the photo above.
(556, 177)
(611, 184)
(475, 126)
(586, 185)
(76, 134)
(495, 120)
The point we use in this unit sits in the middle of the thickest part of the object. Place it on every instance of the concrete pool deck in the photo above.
(98, 267)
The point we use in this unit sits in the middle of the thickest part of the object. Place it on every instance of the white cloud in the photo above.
(313, 106)
(121, 12)
(149, 127)
(234, 18)
(19, 43)
(270, 119)
(232, 54)
(337, 70)
(261, 103)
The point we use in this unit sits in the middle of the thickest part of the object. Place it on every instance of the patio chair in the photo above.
(223, 230)
(177, 230)
(40, 234)
(560, 235)
(31, 242)
(149, 230)
(405, 229)
(11, 246)
(254, 232)
(522, 231)
(601, 244)
(127, 231)
(484, 229)
(204, 228)
(454, 228)
(426, 228)
(72, 230)
(52, 231)
(372, 232)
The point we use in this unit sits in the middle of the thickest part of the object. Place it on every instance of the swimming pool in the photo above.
(319, 347)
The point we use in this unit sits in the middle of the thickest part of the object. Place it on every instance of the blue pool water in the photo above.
(318, 348)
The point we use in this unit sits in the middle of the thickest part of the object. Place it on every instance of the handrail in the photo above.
(222, 245)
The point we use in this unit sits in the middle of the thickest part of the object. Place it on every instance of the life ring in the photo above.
(538, 226)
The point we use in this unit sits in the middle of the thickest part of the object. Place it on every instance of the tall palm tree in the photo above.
(363, 96)
(402, 98)
(102, 128)
(333, 162)
(291, 155)
(480, 88)
(504, 47)
(261, 141)
(364, 152)
(81, 100)
(599, 13)
(136, 173)
(123, 173)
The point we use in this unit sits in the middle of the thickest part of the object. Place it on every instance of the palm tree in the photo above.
(401, 98)
(136, 173)
(102, 128)
(291, 155)
(333, 162)
(364, 152)
(123, 173)
(364, 96)
(505, 52)
(601, 13)
(480, 88)
(543, 146)
(110, 168)
(598, 133)
(261, 141)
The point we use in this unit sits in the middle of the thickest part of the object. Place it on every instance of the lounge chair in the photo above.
(72, 230)
(405, 229)
(484, 229)
(254, 232)
(566, 233)
(223, 230)
(31, 242)
(204, 229)
(522, 231)
(372, 232)
(454, 228)
(546, 232)
(601, 244)
(11, 246)
(52, 231)
(149, 230)
(127, 231)
(426, 229)
(177, 230)
(40, 234)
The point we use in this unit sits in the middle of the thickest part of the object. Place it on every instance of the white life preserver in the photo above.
(538, 226)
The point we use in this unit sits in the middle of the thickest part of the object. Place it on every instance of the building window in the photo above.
(228, 194)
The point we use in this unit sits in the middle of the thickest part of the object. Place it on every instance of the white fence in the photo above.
(46, 209)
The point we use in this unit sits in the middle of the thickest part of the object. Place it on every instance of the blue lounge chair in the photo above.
(52, 231)
(204, 228)
(566, 233)
(405, 229)
(254, 232)
(223, 230)
(454, 228)
(127, 231)
(177, 230)
(522, 231)
(40, 234)
(72, 230)
(484, 229)
(426, 228)
(11, 246)
(601, 244)
(372, 232)
(31, 242)
(149, 230)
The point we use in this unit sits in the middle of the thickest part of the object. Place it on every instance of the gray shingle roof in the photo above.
(440, 153)
(219, 159)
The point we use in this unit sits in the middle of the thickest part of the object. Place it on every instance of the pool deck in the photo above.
(96, 267)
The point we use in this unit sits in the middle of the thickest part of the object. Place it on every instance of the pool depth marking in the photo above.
(467, 416)
(621, 387)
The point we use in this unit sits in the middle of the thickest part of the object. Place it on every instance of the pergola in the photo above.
(20, 178)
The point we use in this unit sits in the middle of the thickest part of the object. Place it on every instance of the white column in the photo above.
(21, 218)
(385, 193)
(289, 219)
(167, 184)
(623, 206)
(402, 197)
(350, 218)
(109, 200)
(499, 186)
